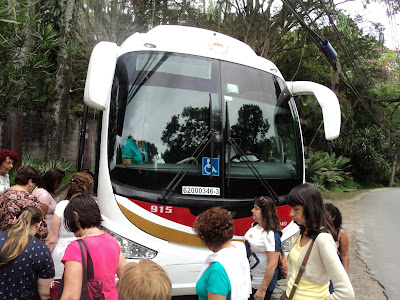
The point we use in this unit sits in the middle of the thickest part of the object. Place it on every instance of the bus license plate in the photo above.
(200, 190)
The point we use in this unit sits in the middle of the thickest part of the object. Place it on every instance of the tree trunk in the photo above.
(394, 164)
(62, 85)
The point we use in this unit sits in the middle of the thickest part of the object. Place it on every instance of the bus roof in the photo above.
(197, 41)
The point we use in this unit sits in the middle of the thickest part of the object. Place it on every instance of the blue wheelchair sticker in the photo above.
(206, 166)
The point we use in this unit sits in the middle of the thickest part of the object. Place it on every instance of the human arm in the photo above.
(44, 197)
(344, 249)
(121, 265)
(43, 286)
(214, 281)
(273, 258)
(212, 296)
(44, 208)
(73, 275)
(335, 270)
(52, 238)
(44, 269)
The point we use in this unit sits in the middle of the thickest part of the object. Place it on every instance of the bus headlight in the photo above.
(131, 249)
(287, 244)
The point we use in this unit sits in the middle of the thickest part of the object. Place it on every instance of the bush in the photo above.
(327, 171)
(42, 166)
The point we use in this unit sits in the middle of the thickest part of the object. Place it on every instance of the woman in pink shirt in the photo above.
(49, 183)
(82, 217)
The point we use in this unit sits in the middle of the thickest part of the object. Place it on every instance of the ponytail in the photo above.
(18, 235)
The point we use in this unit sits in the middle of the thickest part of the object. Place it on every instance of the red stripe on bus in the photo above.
(182, 215)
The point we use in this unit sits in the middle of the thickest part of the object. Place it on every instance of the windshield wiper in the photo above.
(228, 137)
(212, 130)
(209, 138)
(243, 155)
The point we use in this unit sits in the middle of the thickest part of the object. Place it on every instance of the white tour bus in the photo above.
(192, 119)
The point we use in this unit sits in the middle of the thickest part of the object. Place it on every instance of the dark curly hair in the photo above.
(308, 196)
(214, 227)
(269, 214)
(80, 182)
(335, 213)
(11, 154)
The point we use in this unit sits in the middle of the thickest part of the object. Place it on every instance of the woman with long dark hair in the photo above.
(263, 241)
(26, 267)
(316, 234)
(49, 183)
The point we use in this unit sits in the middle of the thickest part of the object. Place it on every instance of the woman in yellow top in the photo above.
(308, 211)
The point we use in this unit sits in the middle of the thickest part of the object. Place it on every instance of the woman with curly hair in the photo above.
(59, 237)
(226, 272)
(264, 244)
(8, 159)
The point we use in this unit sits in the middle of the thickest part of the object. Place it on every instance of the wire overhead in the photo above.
(329, 52)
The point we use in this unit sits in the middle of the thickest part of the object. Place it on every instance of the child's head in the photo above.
(334, 215)
(144, 280)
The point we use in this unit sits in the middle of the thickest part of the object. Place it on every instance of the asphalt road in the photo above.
(378, 238)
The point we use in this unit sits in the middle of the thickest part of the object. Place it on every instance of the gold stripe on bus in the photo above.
(160, 231)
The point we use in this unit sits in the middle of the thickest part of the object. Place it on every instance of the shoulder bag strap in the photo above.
(61, 288)
(90, 269)
(84, 291)
(301, 271)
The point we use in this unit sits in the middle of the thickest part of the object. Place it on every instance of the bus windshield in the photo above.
(212, 119)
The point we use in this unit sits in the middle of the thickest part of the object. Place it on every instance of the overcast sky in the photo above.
(376, 13)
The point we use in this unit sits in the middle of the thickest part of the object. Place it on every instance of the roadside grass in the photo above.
(342, 195)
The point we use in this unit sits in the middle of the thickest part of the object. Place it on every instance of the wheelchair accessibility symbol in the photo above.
(206, 166)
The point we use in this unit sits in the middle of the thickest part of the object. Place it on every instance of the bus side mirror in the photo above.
(326, 99)
(100, 75)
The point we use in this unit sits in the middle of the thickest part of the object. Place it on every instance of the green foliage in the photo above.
(25, 57)
(42, 165)
(366, 146)
(325, 170)
(28, 80)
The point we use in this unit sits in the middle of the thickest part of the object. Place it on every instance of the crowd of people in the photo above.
(47, 246)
